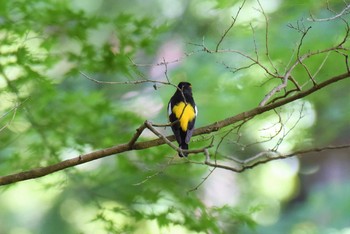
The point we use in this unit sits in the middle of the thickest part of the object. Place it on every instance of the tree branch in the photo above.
(265, 157)
(124, 82)
(134, 145)
(340, 14)
(230, 27)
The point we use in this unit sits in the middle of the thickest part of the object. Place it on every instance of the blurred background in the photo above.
(50, 112)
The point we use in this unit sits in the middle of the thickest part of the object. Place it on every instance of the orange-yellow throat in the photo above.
(185, 113)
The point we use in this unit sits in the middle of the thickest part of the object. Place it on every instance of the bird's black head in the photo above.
(185, 87)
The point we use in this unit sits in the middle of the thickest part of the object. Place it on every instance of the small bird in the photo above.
(182, 113)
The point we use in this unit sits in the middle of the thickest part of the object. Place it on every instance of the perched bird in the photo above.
(182, 113)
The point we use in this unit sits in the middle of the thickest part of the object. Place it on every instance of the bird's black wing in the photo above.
(176, 126)
(190, 130)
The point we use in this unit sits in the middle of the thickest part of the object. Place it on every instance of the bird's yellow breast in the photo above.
(185, 113)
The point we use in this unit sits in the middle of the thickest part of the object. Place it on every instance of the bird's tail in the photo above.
(183, 146)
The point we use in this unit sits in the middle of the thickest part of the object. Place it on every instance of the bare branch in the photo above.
(300, 59)
(161, 136)
(134, 145)
(264, 157)
(124, 82)
(340, 14)
(234, 70)
(166, 70)
(254, 60)
(156, 173)
(234, 19)
(298, 55)
(163, 62)
(267, 51)
(288, 73)
(14, 110)
(203, 180)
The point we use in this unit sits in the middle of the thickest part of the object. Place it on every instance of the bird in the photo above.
(182, 112)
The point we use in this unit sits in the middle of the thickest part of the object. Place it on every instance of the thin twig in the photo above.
(202, 181)
(133, 82)
(234, 19)
(14, 110)
(340, 14)
(156, 173)
(267, 50)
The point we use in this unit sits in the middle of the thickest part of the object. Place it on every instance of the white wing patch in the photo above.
(169, 109)
(195, 110)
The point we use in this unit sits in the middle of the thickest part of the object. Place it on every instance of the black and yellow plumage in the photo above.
(182, 113)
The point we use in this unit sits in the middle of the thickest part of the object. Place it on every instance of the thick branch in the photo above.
(133, 145)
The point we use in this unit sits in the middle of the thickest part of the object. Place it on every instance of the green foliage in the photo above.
(50, 112)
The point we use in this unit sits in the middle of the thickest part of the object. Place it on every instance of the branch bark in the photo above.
(133, 145)
(265, 157)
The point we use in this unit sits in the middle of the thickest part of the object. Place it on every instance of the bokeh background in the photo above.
(50, 112)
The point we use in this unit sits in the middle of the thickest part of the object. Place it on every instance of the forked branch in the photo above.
(345, 11)
(134, 145)
(265, 157)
